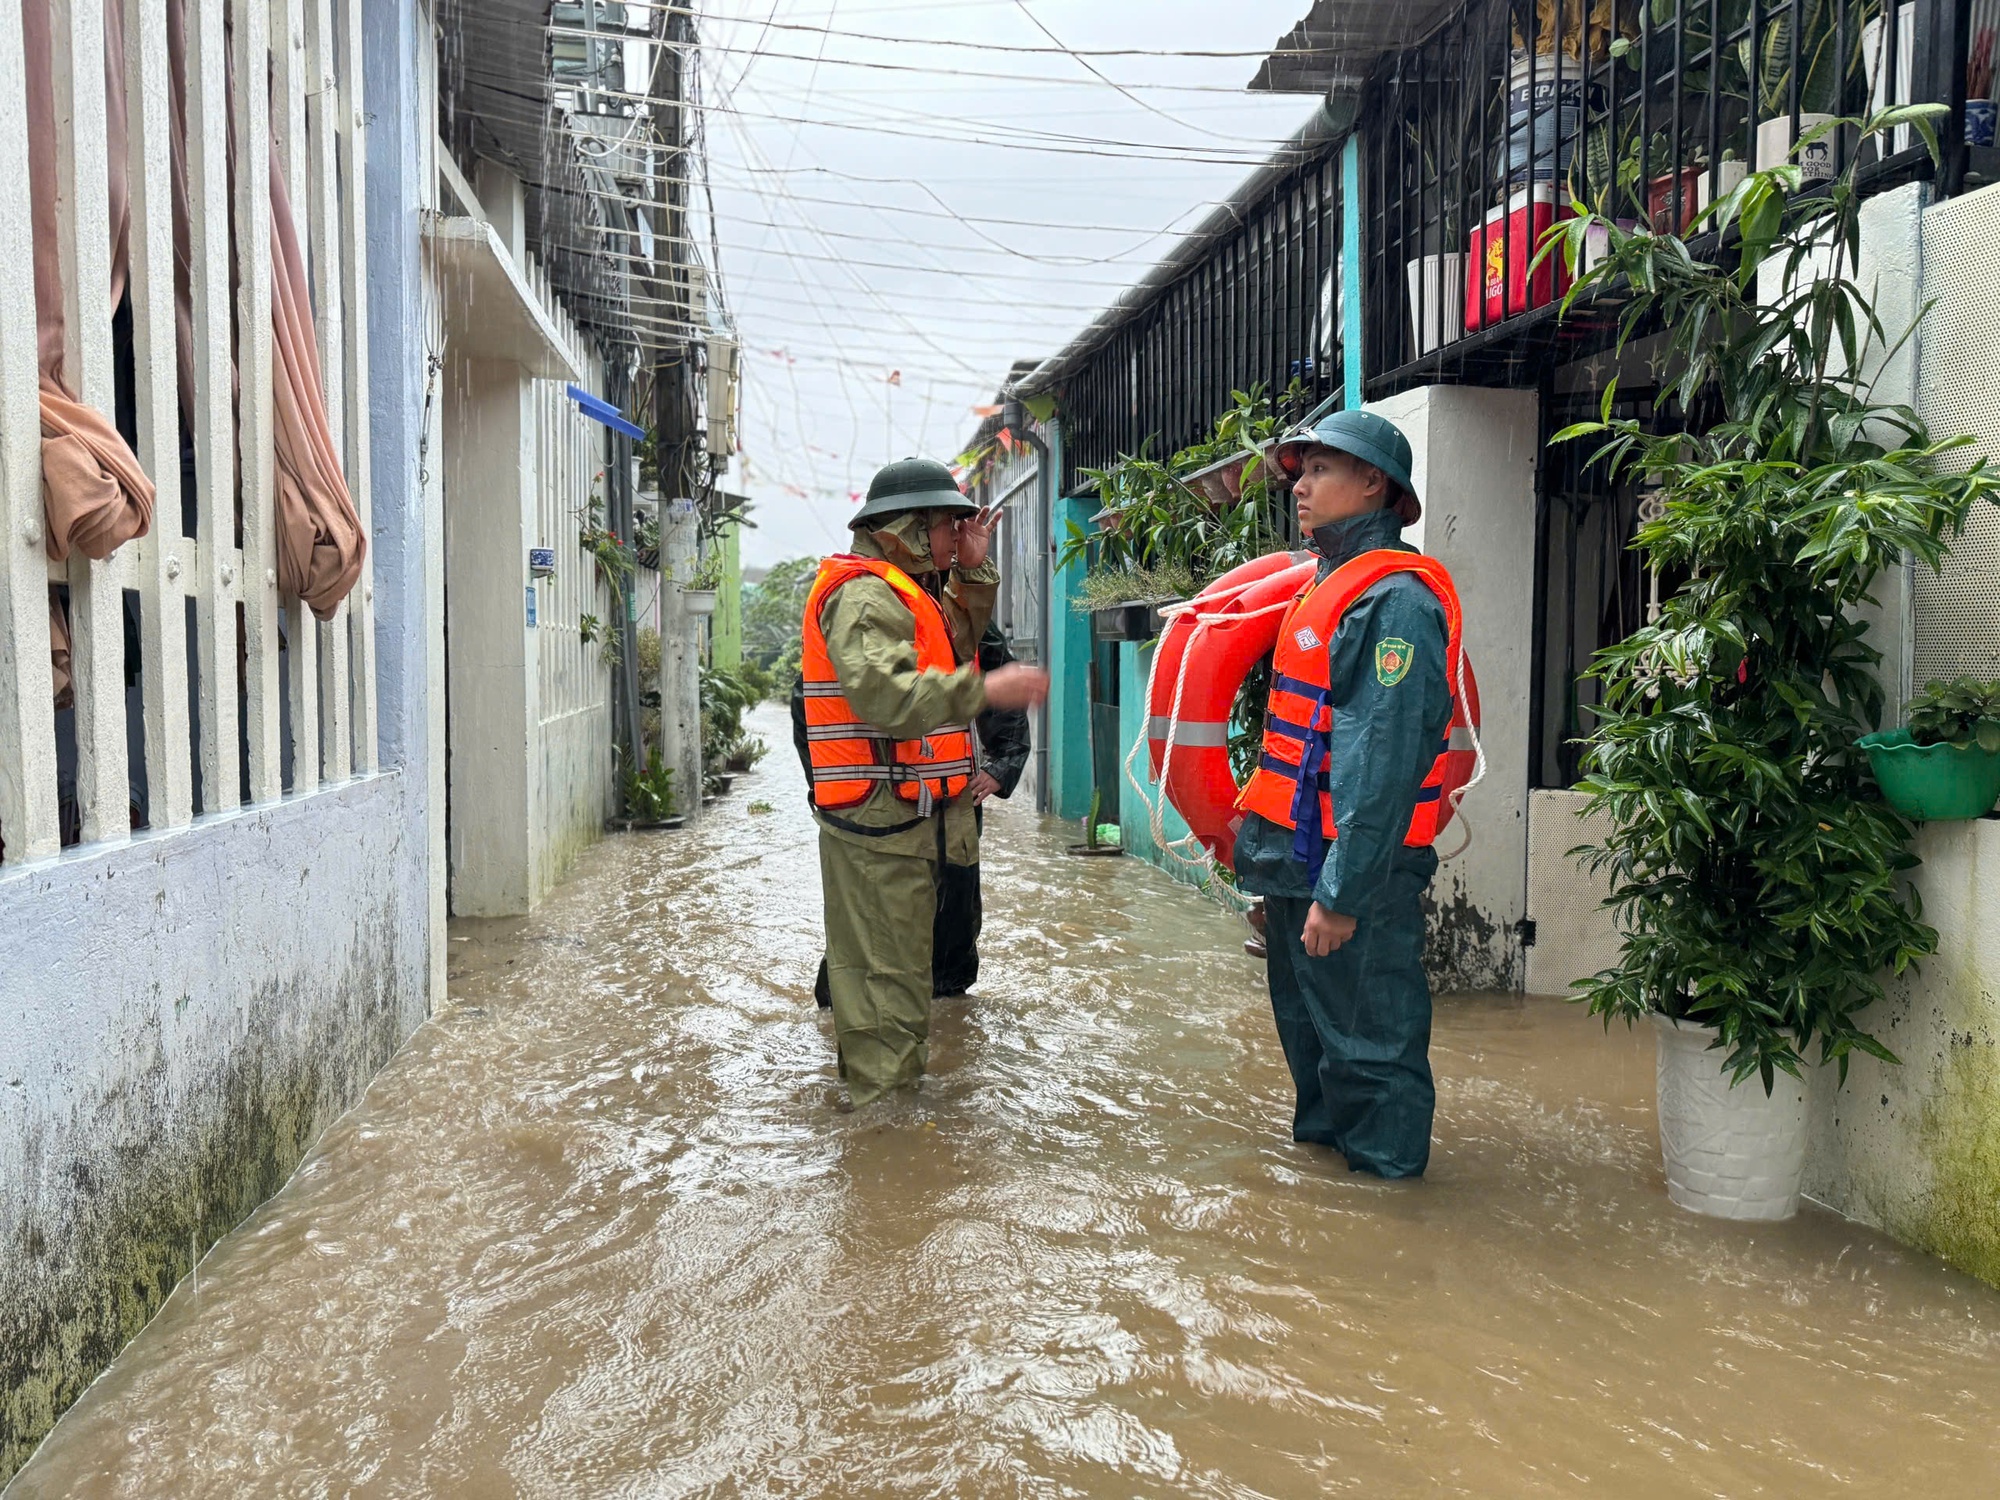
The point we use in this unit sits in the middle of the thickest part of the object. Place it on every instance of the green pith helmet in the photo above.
(1372, 439)
(911, 484)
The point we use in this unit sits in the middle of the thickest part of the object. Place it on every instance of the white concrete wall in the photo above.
(1475, 458)
(1575, 934)
(1915, 1149)
(182, 1012)
(532, 777)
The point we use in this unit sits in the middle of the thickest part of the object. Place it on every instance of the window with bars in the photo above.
(1515, 114)
(225, 652)
(1258, 308)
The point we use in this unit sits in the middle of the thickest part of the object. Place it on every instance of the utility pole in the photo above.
(676, 448)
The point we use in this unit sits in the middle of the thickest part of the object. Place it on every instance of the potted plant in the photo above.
(650, 801)
(1755, 870)
(1100, 840)
(1946, 765)
(744, 754)
(1815, 79)
(704, 585)
(1159, 539)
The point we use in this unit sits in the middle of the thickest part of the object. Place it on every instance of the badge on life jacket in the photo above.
(1307, 639)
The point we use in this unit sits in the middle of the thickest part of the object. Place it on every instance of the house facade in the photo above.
(1385, 258)
(310, 637)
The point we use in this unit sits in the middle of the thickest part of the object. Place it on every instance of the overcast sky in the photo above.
(858, 174)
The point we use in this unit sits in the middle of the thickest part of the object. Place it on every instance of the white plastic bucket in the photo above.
(1437, 298)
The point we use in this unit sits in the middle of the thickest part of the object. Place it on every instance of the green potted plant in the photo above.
(704, 585)
(650, 801)
(1754, 868)
(1946, 765)
(1161, 536)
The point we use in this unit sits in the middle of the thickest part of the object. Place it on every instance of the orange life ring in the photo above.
(1204, 654)
(1230, 627)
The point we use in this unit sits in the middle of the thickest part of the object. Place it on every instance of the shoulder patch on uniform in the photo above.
(1307, 638)
(1392, 660)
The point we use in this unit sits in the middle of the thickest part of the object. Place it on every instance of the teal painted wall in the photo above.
(1069, 663)
(1350, 269)
(1069, 674)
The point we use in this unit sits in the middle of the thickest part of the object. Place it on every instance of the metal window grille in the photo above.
(209, 606)
(1250, 313)
(1492, 128)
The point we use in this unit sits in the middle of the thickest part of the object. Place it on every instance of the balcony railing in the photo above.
(1518, 113)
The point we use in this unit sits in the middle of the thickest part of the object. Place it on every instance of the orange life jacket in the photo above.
(851, 757)
(1289, 786)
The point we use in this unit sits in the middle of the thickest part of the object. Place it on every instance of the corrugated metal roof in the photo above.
(1337, 42)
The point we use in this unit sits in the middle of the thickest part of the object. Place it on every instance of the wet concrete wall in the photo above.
(1915, 1149)
(181, 1015)
(184, 1015)
(1475, 457)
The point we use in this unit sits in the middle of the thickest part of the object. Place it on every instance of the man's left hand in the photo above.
(1326, 931)
(982, 786)
(975, 538)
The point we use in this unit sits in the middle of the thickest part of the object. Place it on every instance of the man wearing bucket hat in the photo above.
(1340, 813)
(891, 686)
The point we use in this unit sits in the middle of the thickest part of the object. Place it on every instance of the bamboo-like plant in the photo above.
(1756, 873)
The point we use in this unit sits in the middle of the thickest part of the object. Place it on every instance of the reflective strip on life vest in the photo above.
(850, 757)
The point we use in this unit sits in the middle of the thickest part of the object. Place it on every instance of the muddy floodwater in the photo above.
(602, 1230)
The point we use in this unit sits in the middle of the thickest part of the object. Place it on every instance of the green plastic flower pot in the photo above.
(1933, 783)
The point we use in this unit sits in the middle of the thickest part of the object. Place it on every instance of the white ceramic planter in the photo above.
(1732, 1153)
(700, 601)
(1775, 141)
(1729, 177)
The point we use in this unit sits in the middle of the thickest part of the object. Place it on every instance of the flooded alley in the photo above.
(602, 1229)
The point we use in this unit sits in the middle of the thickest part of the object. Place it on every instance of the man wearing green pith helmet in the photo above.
(891, 685)
(1357, 775)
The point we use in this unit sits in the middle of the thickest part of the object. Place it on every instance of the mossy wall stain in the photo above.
(129, 1200)
(1960, 1128)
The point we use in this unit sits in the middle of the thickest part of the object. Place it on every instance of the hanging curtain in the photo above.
(94, 494)
(320, 543)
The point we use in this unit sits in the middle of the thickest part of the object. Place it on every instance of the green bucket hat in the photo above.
(911, 484)
(1372, 439)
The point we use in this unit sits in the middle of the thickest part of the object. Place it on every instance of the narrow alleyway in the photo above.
(602, 1231)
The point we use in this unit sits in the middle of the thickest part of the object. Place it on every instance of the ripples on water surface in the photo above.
(601, 1230)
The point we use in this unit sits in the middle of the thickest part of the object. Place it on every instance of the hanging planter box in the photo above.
(1933, 783)
(700, 602)
(1140, 620)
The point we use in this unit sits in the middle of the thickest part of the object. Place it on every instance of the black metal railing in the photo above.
(1516, 113)
(1262, 307)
